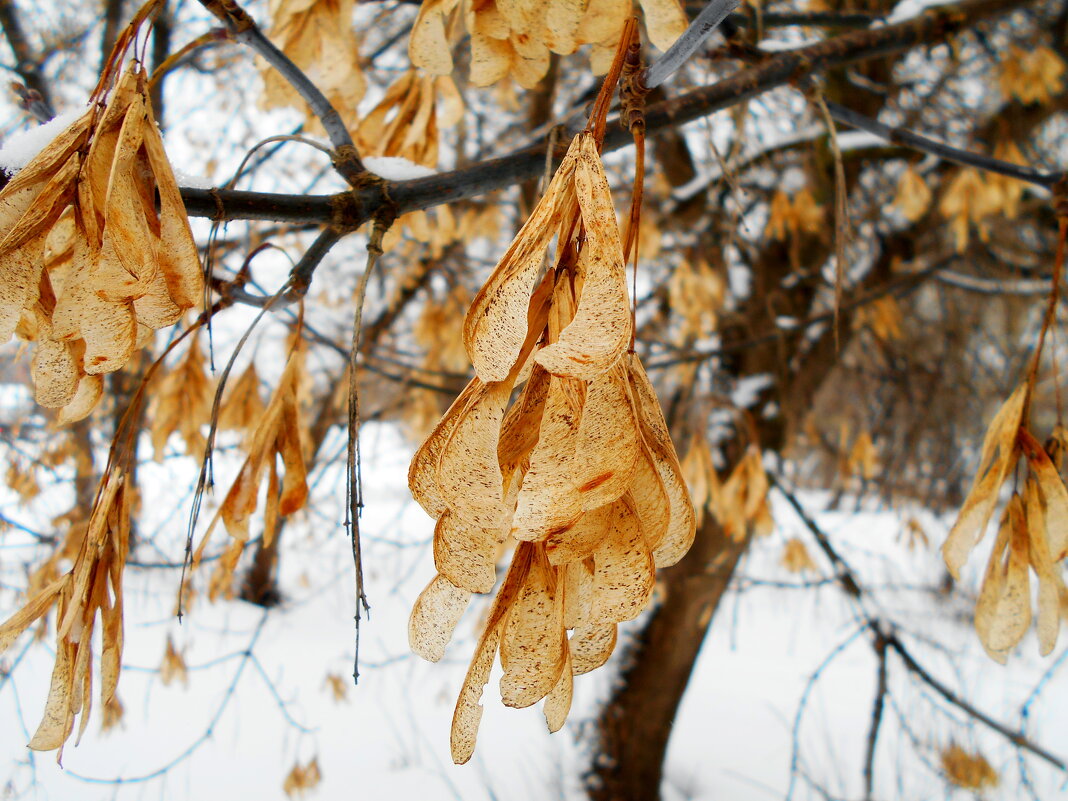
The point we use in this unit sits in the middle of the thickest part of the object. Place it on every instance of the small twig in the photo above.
(900, 136)
(353, 476)
(1016, 738)
(876, 714)
(686, 45)
(244, 29)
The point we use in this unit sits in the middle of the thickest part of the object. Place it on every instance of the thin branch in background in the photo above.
(244, 29)
(900, 136)
(686, 45)
(876, 715)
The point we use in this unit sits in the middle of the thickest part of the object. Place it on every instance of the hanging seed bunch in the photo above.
(91, 268)
(514, 39)
(579, 472)
(1033, 532)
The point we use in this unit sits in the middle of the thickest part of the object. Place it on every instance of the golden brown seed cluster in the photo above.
(91, 267)
(1033, 535)
(579, 471)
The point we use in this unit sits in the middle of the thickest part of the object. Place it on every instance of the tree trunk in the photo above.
(635, 724)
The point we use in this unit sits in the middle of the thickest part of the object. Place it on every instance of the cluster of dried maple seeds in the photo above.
(1032, 536)
(579, 472)
(91, 268)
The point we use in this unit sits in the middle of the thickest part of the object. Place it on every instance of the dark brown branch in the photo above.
(526, 163)
(27, 64)
(244, 29)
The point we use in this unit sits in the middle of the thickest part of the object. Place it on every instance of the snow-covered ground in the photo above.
(242, 722)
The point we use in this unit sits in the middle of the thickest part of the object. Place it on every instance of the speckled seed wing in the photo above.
(532, 643)
(623, 569)
(577, 578)
(650, 498)
(1054, 494)
(558, 701)
(423, 471)
(466, 555)
(435, 615)
(468, 712)
(1050, 583)
(682, 526)
(468, 473)
(999, 449)
(90, 390)
(549, 501)
(580, 540)
(496, 324)
(591, 645)
(600, 332)
(607, 439)
(1003, 609)
(664, 21)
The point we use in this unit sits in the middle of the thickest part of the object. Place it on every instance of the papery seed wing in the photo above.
(608, 439)
(549, 500)
(558, 701)
(468, 711)
(562, 18)
(108, 330)
(29, 614)
(497, 323)
(591, 645)
(86, 397)
(45, 208)
(468, 473)
(623, 569)
(156, 309)
(436, 613)
(423, 471)
(998, 456)
(665, 21)
(1003, 609)
(58, 720)
(428, 46)
(519, 431)
(600, 332)
(577, 578)
(532, 642)
(682, 526)
(1050, 583)
(578, 542)
(55, 374)
(650, 498)
(491, 59)
(466, 555)
(1054, 494)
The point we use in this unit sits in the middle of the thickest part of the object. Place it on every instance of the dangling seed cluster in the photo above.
(579, 471)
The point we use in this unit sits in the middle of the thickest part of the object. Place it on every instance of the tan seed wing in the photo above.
(468, 713)
(580, 540)
(497, 323)
(466, 555)
(532, 642)
(664, 21)
(468, 473)
(1003, 610)
(549, 501)
(608, 441)
(436, 613)
(600, 332)
(1050, 583)
(650, 497)
(428, 46)
(30, 613)
(519, 431)
(1054, 494)
(90, 390)
(998, 456)
(591, 645)
(58, 719)
(55, 374)
(623, 569)
(577, 578)
(558, 701)
(423, 471)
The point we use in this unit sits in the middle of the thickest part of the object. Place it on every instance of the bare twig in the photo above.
(244, 29)
(876, 715)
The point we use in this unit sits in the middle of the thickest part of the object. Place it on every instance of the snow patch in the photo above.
(747, 390)
(20, 148)
(394, 168)
(193, 181)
